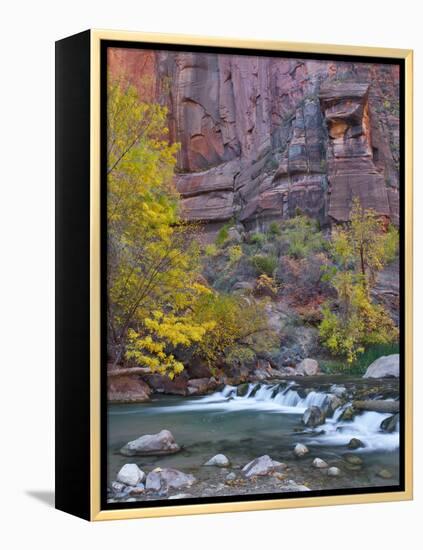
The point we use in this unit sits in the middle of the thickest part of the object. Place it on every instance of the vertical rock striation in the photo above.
(264, 136)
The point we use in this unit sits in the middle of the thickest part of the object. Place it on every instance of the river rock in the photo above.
(117, 486)
(333, 403)
(261, 466)
(231, 476)
(348, 414)
(355, 443)
(333, 471)
(353, 459)
(138, 489)
(339, 391)
(308, 367)
(179, 495)
(127, 388)
(386, 366)
(161, 480)
(242, 389)
(319, 463)
(201, 386)
(313, 416)
(385, 474)
(130, 474)
(218, 460)
(291, 486)
(300, 450)
(162, 443)
(390, 424)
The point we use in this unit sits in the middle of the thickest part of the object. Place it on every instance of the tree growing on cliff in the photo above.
(153, 261)
(360, 249)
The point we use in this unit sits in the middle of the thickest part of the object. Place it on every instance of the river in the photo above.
(266, 420)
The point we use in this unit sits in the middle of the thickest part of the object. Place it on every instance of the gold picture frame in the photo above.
(92, 508)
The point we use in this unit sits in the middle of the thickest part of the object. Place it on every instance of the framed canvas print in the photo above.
(234, 275)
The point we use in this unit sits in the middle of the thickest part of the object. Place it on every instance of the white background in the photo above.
(28, 32)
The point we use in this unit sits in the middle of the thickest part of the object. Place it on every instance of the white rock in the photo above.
(292, 486)
(231, 476)
(179, 495)
(161, 443)
(386, 366)
(339, 391)
(218, 460)
(333, 471)
(117, 487)
(308, 367)
(130, 474)
(161, 480)
(319, 463)
(300, 450)
(261, 466)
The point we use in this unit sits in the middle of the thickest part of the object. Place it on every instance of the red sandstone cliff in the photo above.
(262, 136)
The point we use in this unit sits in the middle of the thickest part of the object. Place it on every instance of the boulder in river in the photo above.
(333, 403)
(300, 450)
(218, 460)
(130, 474)
(261, 466)
(390, 424)
(348, 414)
(333, 471)
(319, 463)
(242, 389)
(313, 416)
(308, 367)
(355, 443)
(386, 366)
(339, 391)
(162, 443)
(161, 480)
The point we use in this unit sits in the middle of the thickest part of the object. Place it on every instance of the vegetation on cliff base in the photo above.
(157, 302)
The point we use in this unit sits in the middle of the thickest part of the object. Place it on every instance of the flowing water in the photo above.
(266, 420)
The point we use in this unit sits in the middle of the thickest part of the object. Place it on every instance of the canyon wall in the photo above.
(264, 136)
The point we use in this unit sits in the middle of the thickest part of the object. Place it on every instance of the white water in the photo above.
(280, 399)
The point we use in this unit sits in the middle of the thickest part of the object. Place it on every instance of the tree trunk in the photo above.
(128, 370)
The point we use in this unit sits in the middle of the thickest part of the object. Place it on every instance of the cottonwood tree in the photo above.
(153, 267)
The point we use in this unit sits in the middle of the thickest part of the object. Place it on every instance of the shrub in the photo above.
(357, 323)
(274, 229)
(265, 264)
(236, 322)
(257, 238)
(303, 236)
(222, 235)
(266, 286)
(210, 250)
(235, 253)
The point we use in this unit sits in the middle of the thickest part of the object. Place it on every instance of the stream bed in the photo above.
(265, 420)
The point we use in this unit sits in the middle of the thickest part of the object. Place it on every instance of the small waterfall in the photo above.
(277, 396)
(286, 398)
